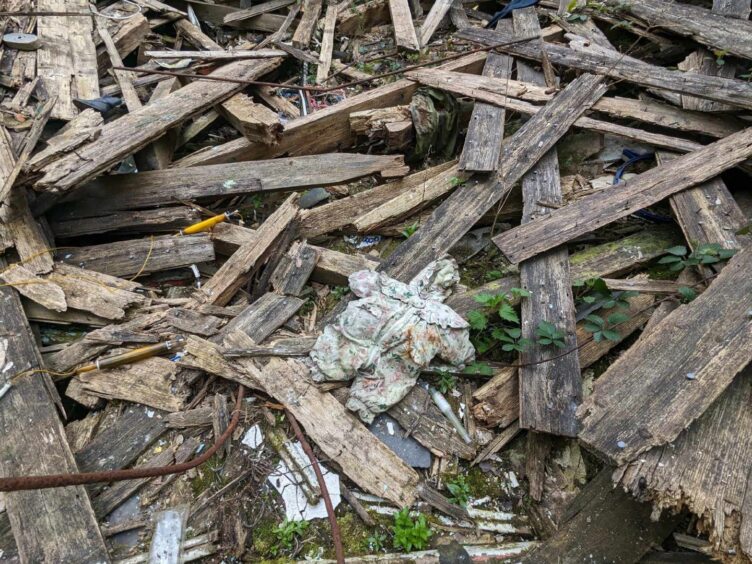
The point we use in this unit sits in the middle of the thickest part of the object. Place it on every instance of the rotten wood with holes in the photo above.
(69, 531)
(67, 58)
(131, 132)
(329, 126)
(593, 58)
(142, 256)
(303, 33)
(601, 208)
(606, 521)
(549, 391)
(327, 44)
(669, 379)
(709, 470)
(240, 266)
(158, 187)
(458, 213)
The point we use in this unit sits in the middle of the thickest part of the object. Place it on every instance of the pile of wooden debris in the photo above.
(186, 186)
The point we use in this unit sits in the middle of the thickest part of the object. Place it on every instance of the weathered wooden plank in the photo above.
(160, 220)
(239, 267)
(126, 135)
(303, 33)
(43, 292)
(453, 218)
(437, 13)
(408, 202)
(706, 213)
(124, 78)
(152, 188)
(594, 211)
(27, 236)
(329, 126)
(486, 128)
(709, 469)
(231, 55)
(604, 521)
(264, 316)
(593, 58)
(271, 6)
(53, 525)
(402, 22)
(127, 34)
(142, 256)
(340, 213)
(658, 387)
(153, 382)
(86, 126)
(256, 122)
(717, 31)
(294, 269)
(327, 44)
(549, 391)
(66, 57)
(487, 89)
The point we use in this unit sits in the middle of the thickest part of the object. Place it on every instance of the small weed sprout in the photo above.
(286, 534)
(678, 258)
(376, 542)
(550, 334)
(604, 328)
(410, 535)
(410, 230)
(459, 490)
(447, 382)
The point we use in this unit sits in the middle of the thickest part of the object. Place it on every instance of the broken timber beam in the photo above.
(402, 22)
(667, 380)
(327, 44)
(311, 12)
(550, 392)
(158, 187)
(126, 135)
(51, 525)
(596, 59)
(601, 208)
(458, 213)
(439, 9)
(732, 35)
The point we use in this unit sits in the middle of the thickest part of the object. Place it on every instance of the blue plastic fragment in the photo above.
(508, 9)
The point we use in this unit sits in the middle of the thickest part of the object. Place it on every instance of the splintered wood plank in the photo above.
(709, 469)
(604, 521)
(131, 132)
(44, 292)
(550, 392)
(50, 525)
(127, 34)
(327, 44)
(256, 10)
(340, 436)
(311, 12)
(142, 256)
(599, 209)
(706, 213)
(124, 78)
(264, 316)
(67, 58)
(667, 380)
(456, 216)
(439, 9)
(404, 29)
(715, 30)
(164, 220)
(596, 59)
(294, 269)
(329, 126)
(256, 122)
(26, 233)
(486, 128)
(239, 267)
(152, 188)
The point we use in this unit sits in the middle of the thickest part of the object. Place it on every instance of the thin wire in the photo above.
(146, 260)
(325, 88)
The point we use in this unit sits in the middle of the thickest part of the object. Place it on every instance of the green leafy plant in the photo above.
(596, 291)
(511, 339)
(686, 294)
(479, 369)
(678, 258)
(447, 382)
(719, 56)
(492, 275)
(573, 13)
(410, 534)
(460, 490)
(455, 181)
(549, 334)
(338, 292)
(376, 542)
(286, 533)
(604, 328)
(410, 230)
